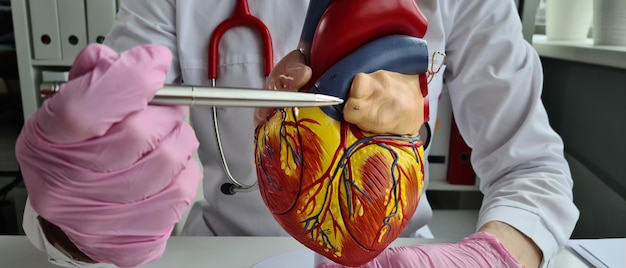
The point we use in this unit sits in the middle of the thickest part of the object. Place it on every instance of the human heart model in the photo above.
(340, 191)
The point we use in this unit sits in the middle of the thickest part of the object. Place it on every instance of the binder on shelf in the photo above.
(45, 34)
(460, 171)
(100, 17)
(73, 27)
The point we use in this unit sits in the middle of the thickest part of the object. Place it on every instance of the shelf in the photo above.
(53, 63)
(581, 51)
(441, 185)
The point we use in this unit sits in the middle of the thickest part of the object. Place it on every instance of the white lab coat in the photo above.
(494, 79)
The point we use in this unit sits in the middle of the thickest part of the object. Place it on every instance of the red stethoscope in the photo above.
(241, 17)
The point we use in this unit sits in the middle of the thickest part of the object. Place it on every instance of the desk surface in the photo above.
(192, 252)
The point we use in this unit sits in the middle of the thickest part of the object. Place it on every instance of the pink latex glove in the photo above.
(480, 250)
(113, 173)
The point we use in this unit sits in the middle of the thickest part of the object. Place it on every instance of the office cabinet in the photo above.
(72, 31)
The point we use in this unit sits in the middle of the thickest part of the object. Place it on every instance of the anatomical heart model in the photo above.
(340, 191)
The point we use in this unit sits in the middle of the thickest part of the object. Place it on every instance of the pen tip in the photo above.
(327, 98)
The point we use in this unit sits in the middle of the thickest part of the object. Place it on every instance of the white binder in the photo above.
(100, 17)
(73, 27)
(45, 35)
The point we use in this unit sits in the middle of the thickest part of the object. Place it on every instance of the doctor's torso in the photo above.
(241, 65)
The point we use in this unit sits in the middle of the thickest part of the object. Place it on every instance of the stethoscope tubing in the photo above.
(241, 17)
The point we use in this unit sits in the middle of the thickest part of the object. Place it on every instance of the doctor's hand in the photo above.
(480, 250)
(290, 74)
(385, 102)
(113, 173)
(382, 102)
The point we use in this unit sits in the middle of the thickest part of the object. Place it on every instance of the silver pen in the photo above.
(224, 96)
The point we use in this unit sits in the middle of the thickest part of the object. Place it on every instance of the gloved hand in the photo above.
(382, 102)
(480, 250)
(113, 173)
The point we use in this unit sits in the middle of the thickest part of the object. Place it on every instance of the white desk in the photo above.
(205, 252)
